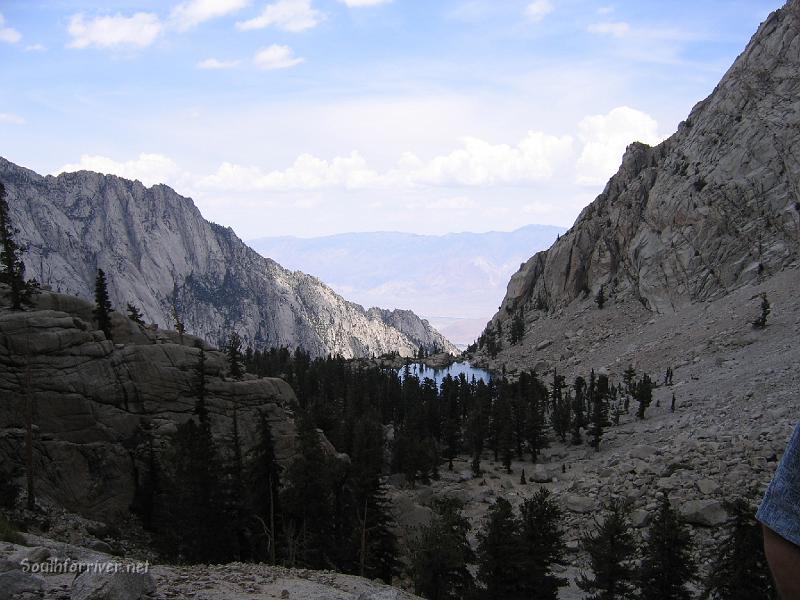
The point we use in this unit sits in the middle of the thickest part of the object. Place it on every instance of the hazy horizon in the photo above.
(316, 117)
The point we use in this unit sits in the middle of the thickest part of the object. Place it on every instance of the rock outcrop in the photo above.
(714, 207)
(160, 254)
(98, 406)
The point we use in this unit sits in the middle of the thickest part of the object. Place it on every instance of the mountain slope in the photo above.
(456, 280)
(158, 251)
(713, 208)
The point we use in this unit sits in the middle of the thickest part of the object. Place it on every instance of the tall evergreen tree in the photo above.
(542, 547)
(441, 554)
(233, 350)
(102, 308)
(499, 554)
(191, 521)
(12, 268)
(739, 570)
(308, 503)
(644, 395)
(264, 477)
(610, 549)
(667, 566)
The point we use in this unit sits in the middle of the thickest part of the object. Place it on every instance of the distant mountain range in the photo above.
(456, 280)
(160, 254)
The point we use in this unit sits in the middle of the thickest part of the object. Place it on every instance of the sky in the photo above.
(314, 117)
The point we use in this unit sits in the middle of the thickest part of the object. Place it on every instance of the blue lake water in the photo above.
(455, 370)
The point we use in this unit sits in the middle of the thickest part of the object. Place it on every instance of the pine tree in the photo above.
(499, 553)
(264, 477)
(600, 298)
(441, 554)
(578, 411)
(667, 565)
(561, 417)
(542, 547)
(610, 549)
(517, 328)
(233, 350)
(12, 268)
(308, 502)
(598, 404)
(643, 395)
(102, 309)
(191, 521)
(200, 408)
(135, 315)
(739, 569)
(766, 309)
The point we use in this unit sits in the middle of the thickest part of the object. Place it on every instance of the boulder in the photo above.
(539, 474)
(15, 583)
(707, 513)
(113, 586)
(580, 504)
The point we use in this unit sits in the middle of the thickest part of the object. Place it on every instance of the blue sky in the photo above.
(312, 117)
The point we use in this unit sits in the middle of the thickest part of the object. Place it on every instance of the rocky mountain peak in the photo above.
(160, 254)
(714, 207)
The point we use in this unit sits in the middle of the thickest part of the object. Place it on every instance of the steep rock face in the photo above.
(159, 252)
(714, 207)
(99, 406)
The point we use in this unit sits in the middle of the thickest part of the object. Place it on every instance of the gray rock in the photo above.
(707, 487)
(15, 583)
(94, 401)
(381, 595)
(580, 504)
(708, 513)
(112, 586)
(643, 452)
(539, 474)
(640, 518)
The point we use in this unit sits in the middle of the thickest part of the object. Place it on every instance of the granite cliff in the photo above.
(99, 406)
(159, 253)
(711, 209)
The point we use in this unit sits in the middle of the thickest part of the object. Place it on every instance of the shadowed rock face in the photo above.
(158, 251)
(99, 406)
(712, 208)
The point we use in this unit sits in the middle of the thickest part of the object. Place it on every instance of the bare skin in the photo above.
(784, 562)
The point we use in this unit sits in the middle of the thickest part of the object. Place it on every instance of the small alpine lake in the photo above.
(455, 370)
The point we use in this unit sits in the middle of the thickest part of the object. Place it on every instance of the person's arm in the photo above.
(784, 562)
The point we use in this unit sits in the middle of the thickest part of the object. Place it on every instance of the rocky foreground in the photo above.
(234, 581)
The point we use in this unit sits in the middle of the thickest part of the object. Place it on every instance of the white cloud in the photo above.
(360, 3)
(140, 30)
(605, 138)
(539, 9)
(476, 164)
(289, 15)
(616, 29)
(216, 64)
(605, 10)
(35, 48)
(7, 34)
(276, 57)
(150, 169)
(190, 14)
(11, 119)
